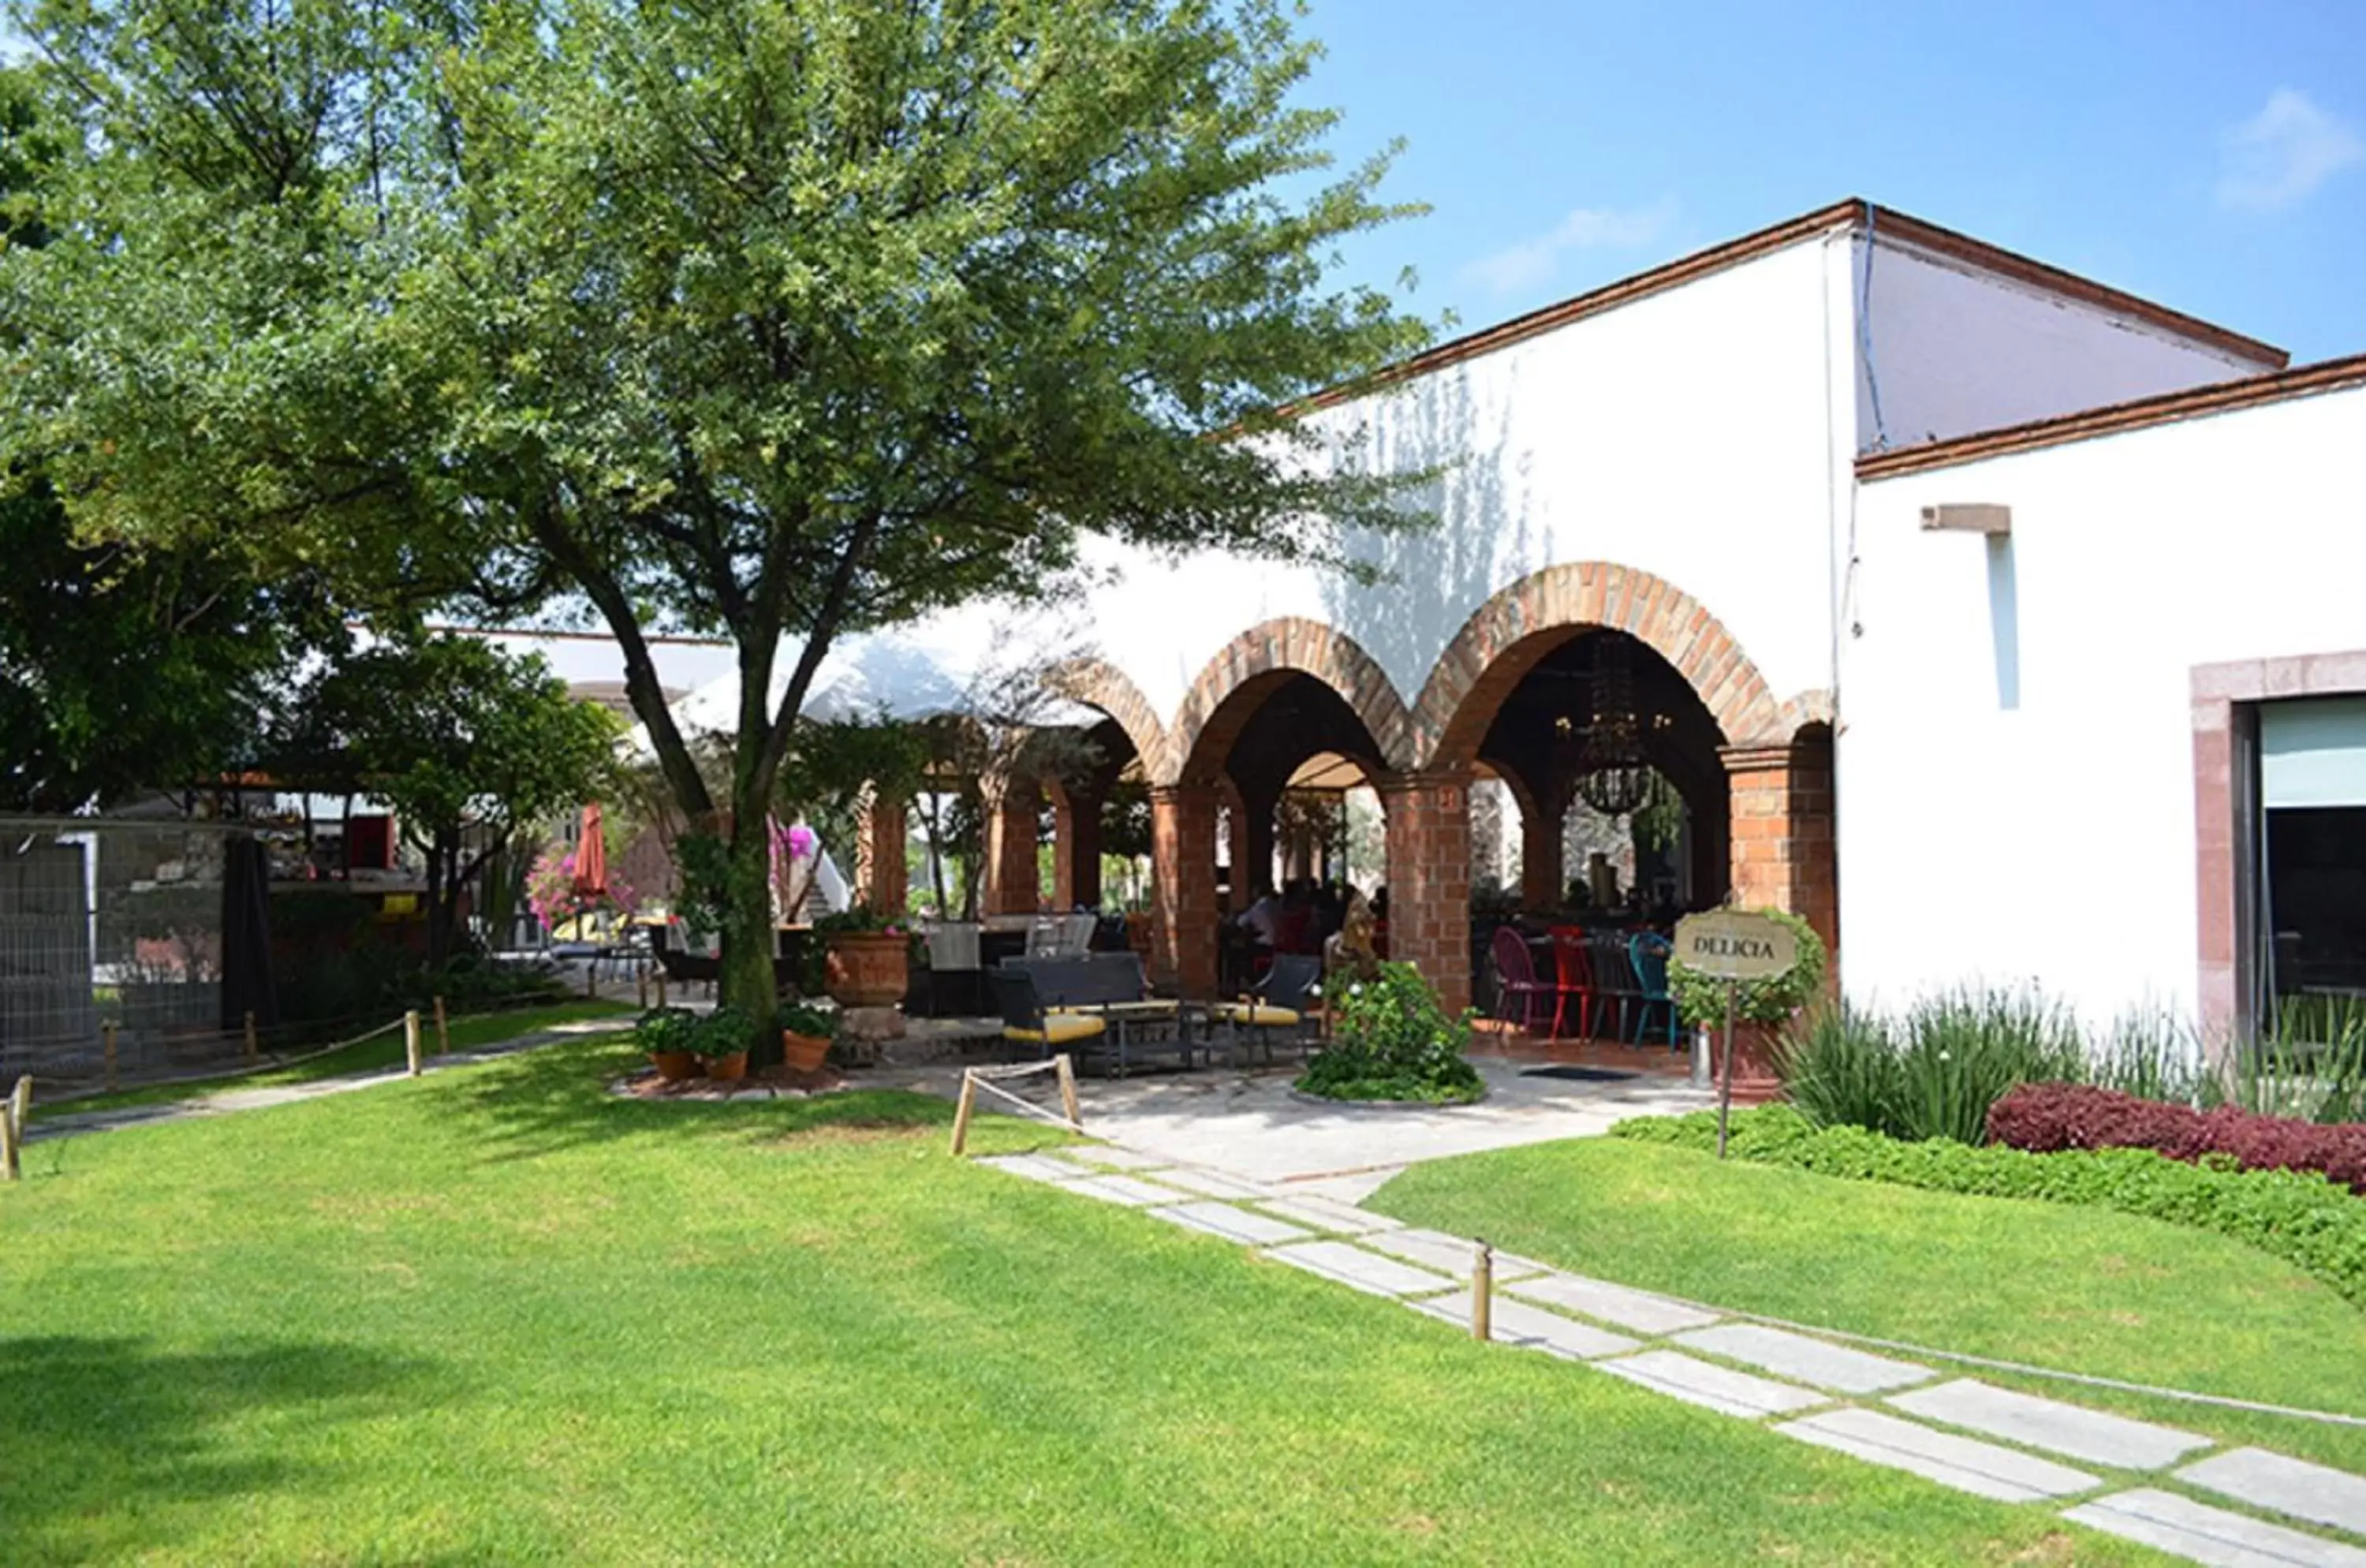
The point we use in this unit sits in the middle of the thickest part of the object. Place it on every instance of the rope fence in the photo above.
(991, 1078)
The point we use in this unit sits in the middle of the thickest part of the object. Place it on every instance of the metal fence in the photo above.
(112, 927)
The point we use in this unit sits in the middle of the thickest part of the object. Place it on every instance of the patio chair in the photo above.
(1516, 984)
(1613, 968)
(1277, 1004)
(1025, 1023)
(1573, 976)
(1648, 951)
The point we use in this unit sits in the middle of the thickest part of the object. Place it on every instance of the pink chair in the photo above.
(1516, 982)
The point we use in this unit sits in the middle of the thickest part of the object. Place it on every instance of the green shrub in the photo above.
(1701, 999)
(1391, 1039)
(1932, 1073)
(668, 1028)
(2299, 1217)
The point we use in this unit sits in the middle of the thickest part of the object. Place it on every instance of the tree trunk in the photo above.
(439, 918)
(749, 938)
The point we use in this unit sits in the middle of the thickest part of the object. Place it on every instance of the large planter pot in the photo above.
(804, 1053)
(674, 1065)
(867, 969)
(727, 1069)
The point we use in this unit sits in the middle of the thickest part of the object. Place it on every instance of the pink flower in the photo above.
(802, 840)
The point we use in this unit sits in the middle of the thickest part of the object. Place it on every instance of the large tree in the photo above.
(785, 318)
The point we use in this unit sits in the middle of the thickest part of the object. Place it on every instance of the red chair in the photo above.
(1573, 974)
(1516, 981)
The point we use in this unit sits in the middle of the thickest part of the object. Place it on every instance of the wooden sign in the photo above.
(1726, 944)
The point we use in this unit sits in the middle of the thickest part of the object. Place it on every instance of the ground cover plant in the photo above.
(2295, 1215)
(1392, 1040)
(2081, 1289)
(500, 1315)
(2043, 1118)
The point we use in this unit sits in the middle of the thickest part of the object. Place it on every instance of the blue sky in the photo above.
(2212, 157)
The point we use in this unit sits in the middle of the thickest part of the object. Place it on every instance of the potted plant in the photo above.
(1761, 1008)
(868, 957)
(723, 1040)
(671, 1037)
(806, 1030)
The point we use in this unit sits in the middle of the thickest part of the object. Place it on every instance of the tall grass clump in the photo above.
(1934, 1071)
(2310, 1065)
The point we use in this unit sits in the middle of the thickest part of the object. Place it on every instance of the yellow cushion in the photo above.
(1059, 1028)
(1256, 1014)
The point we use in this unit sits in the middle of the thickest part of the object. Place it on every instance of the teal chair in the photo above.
(1649, 955)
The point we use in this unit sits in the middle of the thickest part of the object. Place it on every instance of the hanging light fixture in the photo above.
(1613, 776)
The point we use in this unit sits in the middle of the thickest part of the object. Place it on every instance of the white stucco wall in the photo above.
(1687, 434)
(2050, 835)
(1954, 349)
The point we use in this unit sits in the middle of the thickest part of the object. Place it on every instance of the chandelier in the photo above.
(1613, 776)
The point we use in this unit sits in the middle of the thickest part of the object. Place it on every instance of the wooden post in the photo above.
(410, 1040)
(592, 978)
(8, 1167)
(661, 1001)
(1725, 1072)
(252, 1047)
(961, 1111)
(442, 1030)
(1483, 1293)
(641, 976)
(20, 1105)
(108, 1035)
(1067, 1074)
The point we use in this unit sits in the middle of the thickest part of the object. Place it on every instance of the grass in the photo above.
(497, 1316)
(2074, 1288)
(469, 1033)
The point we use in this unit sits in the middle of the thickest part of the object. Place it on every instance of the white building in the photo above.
(2027, 753)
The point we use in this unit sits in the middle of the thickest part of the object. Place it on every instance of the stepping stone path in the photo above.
(1800, 1384)
(2050, 1425)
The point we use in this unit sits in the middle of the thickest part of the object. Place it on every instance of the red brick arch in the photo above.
(1290, 645)
(1101, 685)
(1500, 644)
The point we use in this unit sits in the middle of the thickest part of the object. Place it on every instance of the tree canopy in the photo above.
(784, 318)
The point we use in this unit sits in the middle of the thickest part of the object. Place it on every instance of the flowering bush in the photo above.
(1391, 1039)
(2043, 1118)
(551, 893)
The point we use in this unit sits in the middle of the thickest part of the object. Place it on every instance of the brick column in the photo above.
(1783, 845)
(1011, 883)
(1075, 847)
(881, 875)
(1183, 871)
(1429, 879)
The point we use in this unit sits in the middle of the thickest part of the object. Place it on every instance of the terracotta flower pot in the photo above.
(674, 1065)
(867, 969)
(804, 1053)
(725, 1070)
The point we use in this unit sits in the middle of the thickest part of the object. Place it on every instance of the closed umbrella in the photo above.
(591, 858)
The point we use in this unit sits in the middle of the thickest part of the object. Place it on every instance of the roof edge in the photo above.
(1851, 212)
(2113, 419)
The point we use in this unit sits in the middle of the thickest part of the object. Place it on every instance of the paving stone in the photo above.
(2049, 1424)
(1531, 1327)
(1243, 1225)
(2200, 1533)
(2312, 1492)
(1211, 1183)
(1122, 1190)
(1330, 1214)
(1116, 1158)
(1365, 1271)
(1035, 1168)
(1720, 1389)
(1447, 1254)
(1639, 1310)
(1804, 1359)
(1967, 1464)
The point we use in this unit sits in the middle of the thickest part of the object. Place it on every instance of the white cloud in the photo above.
(1532, 262)
(2283, 152)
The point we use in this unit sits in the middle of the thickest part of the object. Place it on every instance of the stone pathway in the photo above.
(2131, 1479)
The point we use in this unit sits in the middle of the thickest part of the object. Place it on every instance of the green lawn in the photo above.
(496, 1316)
(2081, 1289)
(468, 1034)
